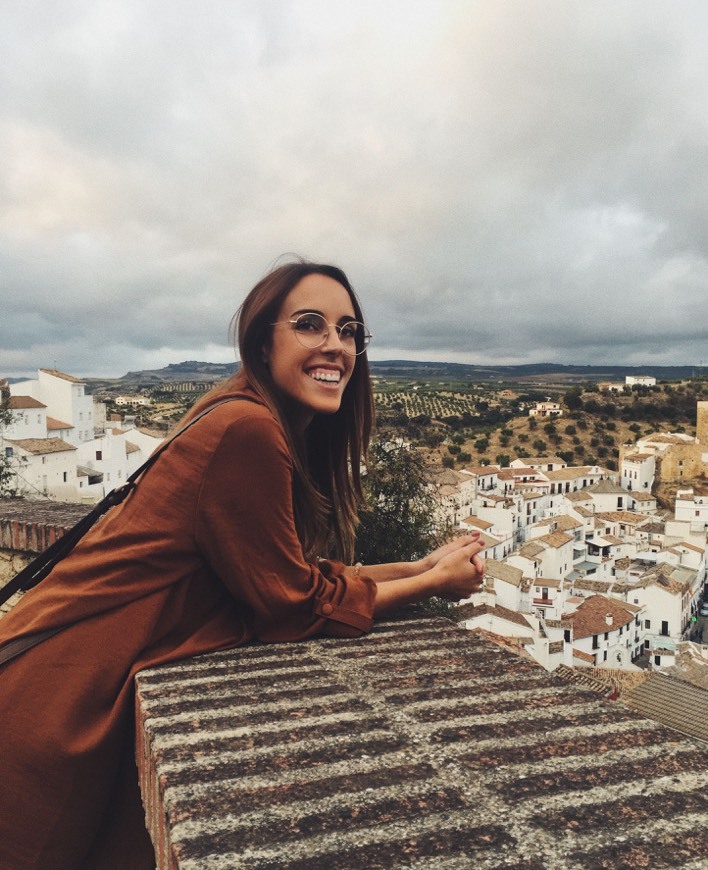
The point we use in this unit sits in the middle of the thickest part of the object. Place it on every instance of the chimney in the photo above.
(608, 618)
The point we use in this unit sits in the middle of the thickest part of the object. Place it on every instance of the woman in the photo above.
(218, 545)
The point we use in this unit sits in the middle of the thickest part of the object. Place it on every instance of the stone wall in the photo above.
(418, 746)
(28, 526)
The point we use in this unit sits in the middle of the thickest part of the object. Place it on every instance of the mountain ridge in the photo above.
(202, 371)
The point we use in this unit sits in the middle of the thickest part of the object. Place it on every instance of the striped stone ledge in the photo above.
(418, 746)
(31, 525)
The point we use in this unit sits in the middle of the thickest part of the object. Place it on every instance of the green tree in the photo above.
(8, 481)
(433, 438)
(400, 521)
(573, 401)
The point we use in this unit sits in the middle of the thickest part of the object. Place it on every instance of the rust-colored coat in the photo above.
(203, 555)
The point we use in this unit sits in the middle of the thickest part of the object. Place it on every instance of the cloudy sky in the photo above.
(504, 181)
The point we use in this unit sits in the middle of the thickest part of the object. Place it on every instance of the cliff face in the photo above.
(665, 490)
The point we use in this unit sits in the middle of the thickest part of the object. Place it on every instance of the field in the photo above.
(460, 423)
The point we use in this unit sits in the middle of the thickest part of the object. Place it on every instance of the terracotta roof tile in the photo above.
(54, 424)
(16, 403)
(592, 616)
(63, 376)
(38, 446)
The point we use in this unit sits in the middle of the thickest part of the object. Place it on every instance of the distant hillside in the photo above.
(188, 371)
(193, 370)
(185, 371)
(531, 373)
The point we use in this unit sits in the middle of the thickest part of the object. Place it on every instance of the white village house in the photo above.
(588, 562)
(56, 447)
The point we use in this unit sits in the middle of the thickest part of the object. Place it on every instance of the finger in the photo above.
(475, 547)
(465, 540)
(480, 563)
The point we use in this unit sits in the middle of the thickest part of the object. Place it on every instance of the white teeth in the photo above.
(331, 377)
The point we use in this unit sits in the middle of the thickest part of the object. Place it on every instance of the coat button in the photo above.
(327, 609)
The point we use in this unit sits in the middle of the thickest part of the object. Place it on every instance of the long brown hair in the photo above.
(327, 490)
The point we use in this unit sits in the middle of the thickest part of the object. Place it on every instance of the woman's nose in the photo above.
(332, 340)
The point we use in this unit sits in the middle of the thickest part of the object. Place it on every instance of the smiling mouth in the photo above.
(327, 377)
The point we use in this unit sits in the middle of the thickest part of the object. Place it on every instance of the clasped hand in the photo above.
(460, 567)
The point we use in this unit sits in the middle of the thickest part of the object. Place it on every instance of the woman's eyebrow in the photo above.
(345, 318)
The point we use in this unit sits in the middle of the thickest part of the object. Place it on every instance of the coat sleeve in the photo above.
(245, 530)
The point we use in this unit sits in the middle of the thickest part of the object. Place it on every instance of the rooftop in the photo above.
(15, 403)
(53, 424)
(599, 614)
(63, 376)
(40, 446)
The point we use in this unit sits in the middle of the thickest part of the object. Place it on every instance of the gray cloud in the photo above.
(518, 181)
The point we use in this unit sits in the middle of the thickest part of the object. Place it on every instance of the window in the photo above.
(99, 454)
(595, 643)
(604, 656)
(9, 452)
(647, 623)
(64, 476)
(664, 627)
(657, 661)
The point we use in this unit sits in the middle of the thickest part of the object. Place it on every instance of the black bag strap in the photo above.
(39, 567)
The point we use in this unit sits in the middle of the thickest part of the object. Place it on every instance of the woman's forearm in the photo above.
(457, 574)
(394, 593)
(388, 571)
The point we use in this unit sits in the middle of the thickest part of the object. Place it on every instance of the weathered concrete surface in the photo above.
(418, 746)
(28, 526)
